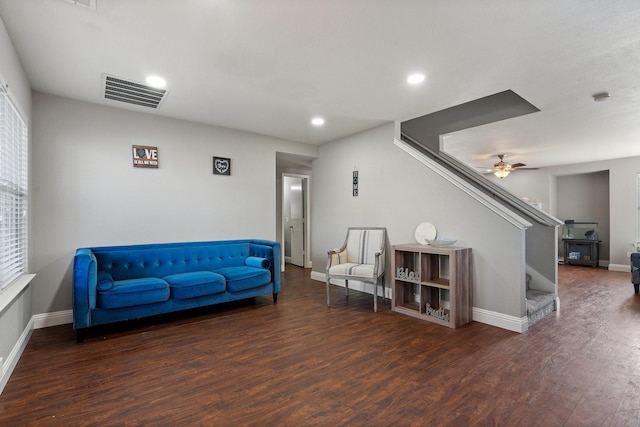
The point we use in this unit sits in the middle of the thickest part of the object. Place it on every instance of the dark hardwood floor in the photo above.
(299, 363)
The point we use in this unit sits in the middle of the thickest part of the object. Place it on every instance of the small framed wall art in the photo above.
(221, 166)
(355, 183)
(145, 156)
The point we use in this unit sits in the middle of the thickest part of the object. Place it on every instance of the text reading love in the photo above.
(145, 157)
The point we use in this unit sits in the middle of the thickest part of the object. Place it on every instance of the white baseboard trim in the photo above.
(500, 320)
(620, 267)
(12, 360)
(37, 321)
(44, 320)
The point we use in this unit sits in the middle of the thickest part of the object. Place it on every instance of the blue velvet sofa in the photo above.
(118, 283)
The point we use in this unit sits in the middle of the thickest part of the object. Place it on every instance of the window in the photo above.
(13, 191)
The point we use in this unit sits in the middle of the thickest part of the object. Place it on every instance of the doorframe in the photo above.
(307, 217)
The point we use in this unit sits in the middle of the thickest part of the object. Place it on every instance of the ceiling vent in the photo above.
(122, 90)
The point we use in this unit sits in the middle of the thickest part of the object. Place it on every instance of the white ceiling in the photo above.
(268, 66)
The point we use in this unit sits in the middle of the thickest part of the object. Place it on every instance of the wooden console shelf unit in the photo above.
(433, 283)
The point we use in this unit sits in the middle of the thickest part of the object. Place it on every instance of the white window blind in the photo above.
(13, 191)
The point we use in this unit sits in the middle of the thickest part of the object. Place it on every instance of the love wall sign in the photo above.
(144, 156)
(221, 166)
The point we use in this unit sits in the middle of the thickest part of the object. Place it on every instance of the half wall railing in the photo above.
(493, 190)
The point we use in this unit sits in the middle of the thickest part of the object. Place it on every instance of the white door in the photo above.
(297, 241)
(296, 224)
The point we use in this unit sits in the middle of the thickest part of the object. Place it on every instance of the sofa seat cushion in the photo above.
(127, 293)
(242, 278)
(195, 284)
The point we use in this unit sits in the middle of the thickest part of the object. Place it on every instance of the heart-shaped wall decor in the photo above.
(221, 166)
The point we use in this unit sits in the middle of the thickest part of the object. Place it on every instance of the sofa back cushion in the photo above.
(132, 263)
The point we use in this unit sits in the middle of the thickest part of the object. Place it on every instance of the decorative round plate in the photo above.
(425, 232)
(442, 243)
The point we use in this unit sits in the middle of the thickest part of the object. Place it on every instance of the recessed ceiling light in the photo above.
(156, 81)
(317, 121)
(602, 96)
(415, 79)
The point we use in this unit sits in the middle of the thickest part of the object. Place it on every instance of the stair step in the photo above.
(539, 304)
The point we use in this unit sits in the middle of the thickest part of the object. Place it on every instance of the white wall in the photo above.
(15, 317)
(87, 193)
(532, 184)
(397, 192)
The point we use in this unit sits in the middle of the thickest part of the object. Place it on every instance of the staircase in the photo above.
(539, 303)
(540, 228)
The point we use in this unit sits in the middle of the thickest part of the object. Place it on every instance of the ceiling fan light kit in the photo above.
(502, 172)
(501, 169)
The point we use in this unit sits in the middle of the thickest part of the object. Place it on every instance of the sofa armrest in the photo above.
(336, 256)
(379, 266)
(635, 268)
(85, 273)
(635, 275)
(270, 250)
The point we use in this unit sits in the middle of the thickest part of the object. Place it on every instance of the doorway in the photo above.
(585, 197)
(295, 212)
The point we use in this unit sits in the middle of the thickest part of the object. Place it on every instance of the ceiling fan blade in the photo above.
(518, 165)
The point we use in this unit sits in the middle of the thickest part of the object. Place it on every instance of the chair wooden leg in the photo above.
(375, 296)
(328, 294)
(346, 287)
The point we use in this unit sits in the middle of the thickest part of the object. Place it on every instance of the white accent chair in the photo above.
(360, 258)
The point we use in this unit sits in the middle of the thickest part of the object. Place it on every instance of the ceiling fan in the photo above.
(501, 169)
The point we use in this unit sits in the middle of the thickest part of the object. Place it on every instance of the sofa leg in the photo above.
(636, 287)
(80, 336)
(275, 298)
